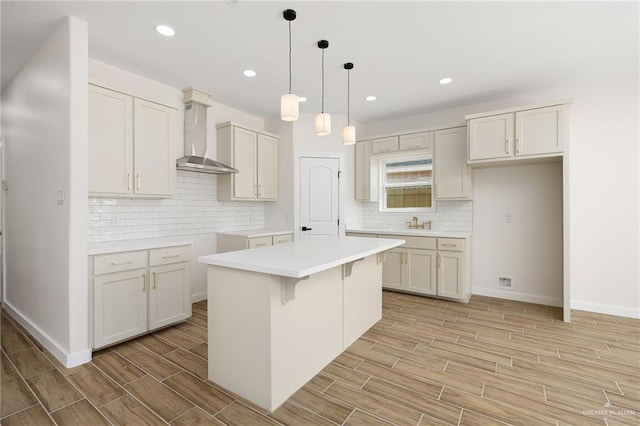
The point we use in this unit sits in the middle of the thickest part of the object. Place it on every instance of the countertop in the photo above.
(410, 232)
(254, 233)
(140, 244)
(302, 258)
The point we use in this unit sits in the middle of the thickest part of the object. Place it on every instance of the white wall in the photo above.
(195, 212)
(44, 120)
(529, 249)
(603, 186)
(298, 139)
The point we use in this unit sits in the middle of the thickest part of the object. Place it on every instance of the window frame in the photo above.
(382, 203)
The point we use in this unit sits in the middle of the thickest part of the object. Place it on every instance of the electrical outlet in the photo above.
(508, 218)
(504, 282)
(60, 197)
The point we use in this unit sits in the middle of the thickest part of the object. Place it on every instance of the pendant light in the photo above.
(323, 120)
(289, 106)
(349, 131)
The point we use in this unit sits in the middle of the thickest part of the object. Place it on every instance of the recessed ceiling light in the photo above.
(370, 98)
(446, 80)
(302, 99)
(165, 30)
(249, 73)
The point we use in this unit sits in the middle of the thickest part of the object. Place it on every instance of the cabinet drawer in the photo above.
(384, 145)
(416, 141)
(451, 244)
(166, 255)
(259, 242)
(117, 262)
(414, 242)
(281, 239)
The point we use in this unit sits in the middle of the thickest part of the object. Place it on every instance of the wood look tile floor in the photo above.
(427, 362)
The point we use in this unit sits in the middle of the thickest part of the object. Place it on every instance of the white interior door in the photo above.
(319, 197)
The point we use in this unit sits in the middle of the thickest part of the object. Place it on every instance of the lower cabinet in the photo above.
(138, 291)
(426, 265)
(240, 241)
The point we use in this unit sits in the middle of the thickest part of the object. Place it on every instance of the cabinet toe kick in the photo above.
(289, 287)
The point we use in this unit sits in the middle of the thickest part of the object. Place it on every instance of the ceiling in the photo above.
(400, 49)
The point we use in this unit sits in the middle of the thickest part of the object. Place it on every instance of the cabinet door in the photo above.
(267, 167)
(422, 140)
(384, 145)
(419, 274)
(169, 294)
(392, 269)
(119, 306)
(362, 170)
(110, 142)
(451, 280)
(452, 173)
(491, 137)
(154, 152)
(245, 182)
(541, 130)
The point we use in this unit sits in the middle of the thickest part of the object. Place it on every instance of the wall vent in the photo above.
(504, 282)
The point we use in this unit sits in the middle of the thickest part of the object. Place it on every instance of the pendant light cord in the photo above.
(289, 57)
(323, 81)
(348, 97)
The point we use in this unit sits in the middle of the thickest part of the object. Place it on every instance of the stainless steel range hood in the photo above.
(195, 136)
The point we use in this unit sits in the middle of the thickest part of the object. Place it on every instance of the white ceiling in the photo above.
(400, 49)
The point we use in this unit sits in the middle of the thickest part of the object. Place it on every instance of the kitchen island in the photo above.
(279, 314)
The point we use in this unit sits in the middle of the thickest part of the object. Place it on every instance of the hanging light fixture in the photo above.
(289, 102)
(323, 120)
(348, 131)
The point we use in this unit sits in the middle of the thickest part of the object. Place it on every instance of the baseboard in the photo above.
(520, 297)
(67, 359)
(198, 297)
(606, 309)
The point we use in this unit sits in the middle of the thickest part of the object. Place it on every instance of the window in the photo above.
(405, 184)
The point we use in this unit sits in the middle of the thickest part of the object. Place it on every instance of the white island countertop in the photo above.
(302, 258)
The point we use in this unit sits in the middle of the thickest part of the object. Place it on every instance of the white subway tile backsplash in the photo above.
(449, 216)
(194, 211)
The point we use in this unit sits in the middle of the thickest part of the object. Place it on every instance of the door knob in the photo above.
(304, 228)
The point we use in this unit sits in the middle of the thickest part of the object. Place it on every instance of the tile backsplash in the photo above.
(450, 216)
(194, 211)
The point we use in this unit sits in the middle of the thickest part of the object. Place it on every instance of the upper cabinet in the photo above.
(519, 133)
(381, 145)
(452, 173)
(255, 154)
(363, 171)
(422, 140)
(131, 146)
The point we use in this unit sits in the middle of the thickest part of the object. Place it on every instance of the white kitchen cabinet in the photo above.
(382, 145)
(131, 146)
(134, 292)
(451, 268)
(426, 265)
(422, 140)
(452, 173)
(363, 170)
(255, 155)
(119, 306)
(524, 133)
(241, 240)
(412, 266)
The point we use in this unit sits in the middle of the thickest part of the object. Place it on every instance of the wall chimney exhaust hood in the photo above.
(195, 136)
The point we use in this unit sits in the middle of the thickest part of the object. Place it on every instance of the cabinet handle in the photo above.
(517, 145)
(169, 256)
(413, 147)
(259, 190)
(448, 245)
(154, 281)
(435, 187)
(138, 182)
(506, 146)
(121, 263)
(144, 282)
(407, 258)
(128, 181)
(385, 150)
(439, 260)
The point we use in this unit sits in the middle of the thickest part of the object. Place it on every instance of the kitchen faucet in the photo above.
(414, 224)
